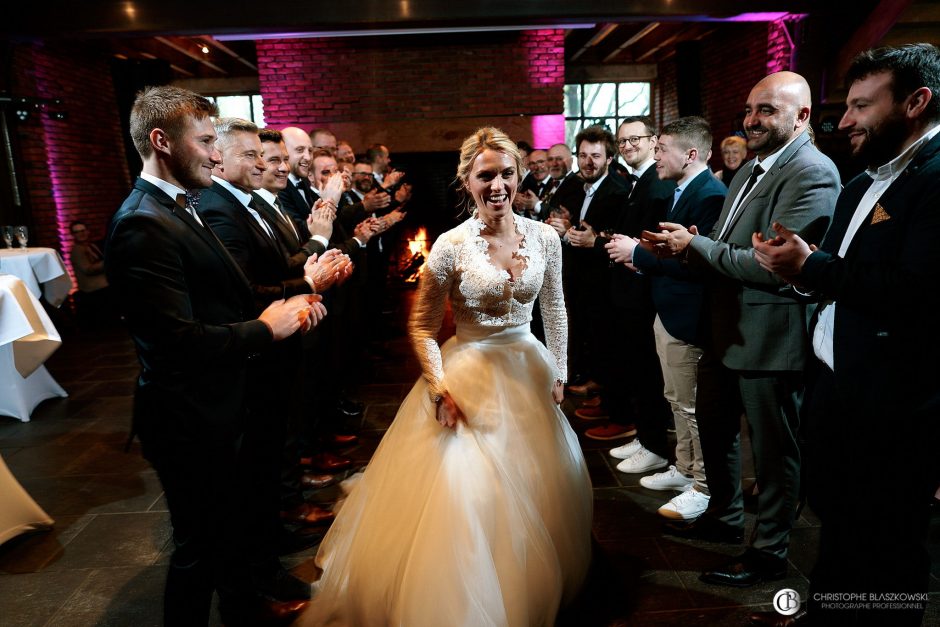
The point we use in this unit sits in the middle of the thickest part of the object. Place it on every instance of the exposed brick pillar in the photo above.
(73, 168)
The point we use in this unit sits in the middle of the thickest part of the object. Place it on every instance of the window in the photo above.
(603, 103)
(246, 106)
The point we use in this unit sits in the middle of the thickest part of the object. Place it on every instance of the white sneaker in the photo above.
(671, 479)
(628, 449)
(641, 461)
(687, 506)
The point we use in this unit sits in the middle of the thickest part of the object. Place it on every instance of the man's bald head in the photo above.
(299, 150)
(777, 110)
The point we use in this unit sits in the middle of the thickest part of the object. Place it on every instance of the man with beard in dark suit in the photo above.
(586, 271)
(191, 314)
(873, 406)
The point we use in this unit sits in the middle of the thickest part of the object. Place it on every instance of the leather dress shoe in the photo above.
(775, 619)
(349, 407)
(326, 462)
(308, 514)
(280, 585)
(261, 612)
(311, 481)
(589, 388)
(341, 440)
(289, 542)
(746, 570)
(705, 528)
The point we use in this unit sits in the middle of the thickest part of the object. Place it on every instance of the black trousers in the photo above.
(871, 472)
(200, 482)
(633, 377)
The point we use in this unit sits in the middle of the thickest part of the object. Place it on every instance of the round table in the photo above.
(41, 269)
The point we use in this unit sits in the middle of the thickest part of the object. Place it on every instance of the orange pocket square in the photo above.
(880, 214)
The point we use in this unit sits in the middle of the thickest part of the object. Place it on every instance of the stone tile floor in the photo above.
(104, 562)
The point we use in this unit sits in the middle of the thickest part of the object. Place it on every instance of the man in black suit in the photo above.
(682, 151)
(297, 198)
(634, 401)
(275, 377)
(874, 408)
(756, 351)
(586, 271)
(192, 317)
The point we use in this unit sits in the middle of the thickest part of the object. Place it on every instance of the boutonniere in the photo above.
(880, 214)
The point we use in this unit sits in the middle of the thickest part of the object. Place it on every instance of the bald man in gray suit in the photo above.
(754, 358)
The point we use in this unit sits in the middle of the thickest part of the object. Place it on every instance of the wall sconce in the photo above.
(24, 108)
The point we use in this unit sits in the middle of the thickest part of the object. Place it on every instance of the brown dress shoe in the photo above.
(311, 481)
(308, 514)
(326, 462)
(589, 388)
(591, 402)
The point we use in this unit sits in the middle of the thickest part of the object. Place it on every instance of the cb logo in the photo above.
(787, 602)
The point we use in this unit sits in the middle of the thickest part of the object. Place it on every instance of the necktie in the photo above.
(546, 189)
(253, 209)
(280, 212)
(633, 178)
(751, 180)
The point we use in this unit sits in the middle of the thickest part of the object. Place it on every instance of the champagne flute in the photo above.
(8, 236)
(22, 234)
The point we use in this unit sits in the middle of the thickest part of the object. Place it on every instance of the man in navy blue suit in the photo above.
(873, 412)
(681, 155)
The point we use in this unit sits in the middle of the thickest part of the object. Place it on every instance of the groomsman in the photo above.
(682, 151)
(191, 314)
(876, 389)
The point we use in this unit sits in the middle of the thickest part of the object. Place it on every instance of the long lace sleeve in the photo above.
(552, 302)
(429, 312)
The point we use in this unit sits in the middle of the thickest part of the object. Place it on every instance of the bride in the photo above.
(476, 507)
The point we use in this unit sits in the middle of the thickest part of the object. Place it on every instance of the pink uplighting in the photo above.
(548, 130)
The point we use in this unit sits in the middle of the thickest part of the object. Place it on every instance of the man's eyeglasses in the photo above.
(633, 139)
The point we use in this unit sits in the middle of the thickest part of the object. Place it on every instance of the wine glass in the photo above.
(22, 234)
(8, 236)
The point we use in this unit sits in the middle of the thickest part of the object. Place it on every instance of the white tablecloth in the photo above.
(19, 513)
(27, 339)
(42, 269)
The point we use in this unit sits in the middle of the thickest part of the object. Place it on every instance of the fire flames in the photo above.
(418, 249)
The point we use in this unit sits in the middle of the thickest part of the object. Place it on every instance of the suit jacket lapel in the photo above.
(203, 231)
(681, 206)
(765, 181)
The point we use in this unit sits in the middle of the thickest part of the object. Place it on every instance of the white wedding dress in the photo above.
(489, 523)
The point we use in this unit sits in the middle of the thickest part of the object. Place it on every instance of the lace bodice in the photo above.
(482, 294)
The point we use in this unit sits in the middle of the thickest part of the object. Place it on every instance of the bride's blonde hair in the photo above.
(484, 138)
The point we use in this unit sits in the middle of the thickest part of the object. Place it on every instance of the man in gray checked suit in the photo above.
(754, 358)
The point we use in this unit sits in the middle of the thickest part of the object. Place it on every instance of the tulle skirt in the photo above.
(485, 524)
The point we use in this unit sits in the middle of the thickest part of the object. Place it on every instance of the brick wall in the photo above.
(734, 58)
(73, 168)
(419, 94)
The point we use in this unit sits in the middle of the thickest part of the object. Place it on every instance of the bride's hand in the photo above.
(448, 414)
(558, 392)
